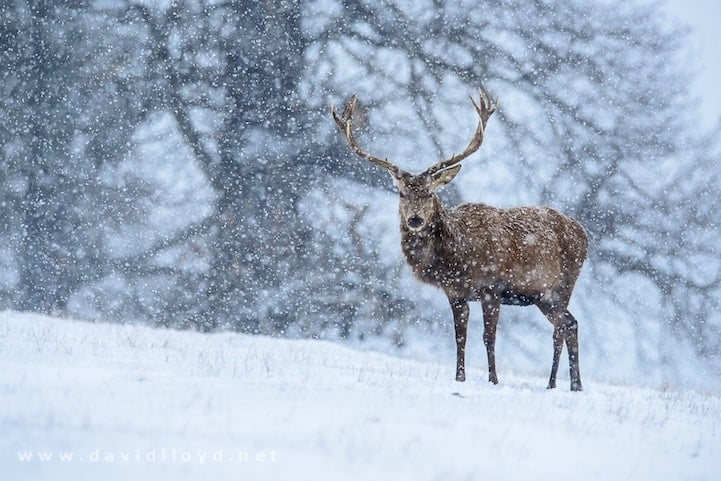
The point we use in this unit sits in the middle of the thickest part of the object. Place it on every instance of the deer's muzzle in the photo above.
(414, 222)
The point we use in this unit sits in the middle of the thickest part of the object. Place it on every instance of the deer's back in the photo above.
(526, 251)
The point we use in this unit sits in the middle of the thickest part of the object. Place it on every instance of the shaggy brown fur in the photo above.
(475, 252)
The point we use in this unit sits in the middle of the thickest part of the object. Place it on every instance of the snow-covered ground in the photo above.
(99, 401)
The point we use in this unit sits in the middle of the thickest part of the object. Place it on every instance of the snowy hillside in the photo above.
(98, 401)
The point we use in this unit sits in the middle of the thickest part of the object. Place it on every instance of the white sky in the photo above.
(704, 17)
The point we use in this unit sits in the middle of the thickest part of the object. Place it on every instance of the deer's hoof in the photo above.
(576, 386)
(460, 376)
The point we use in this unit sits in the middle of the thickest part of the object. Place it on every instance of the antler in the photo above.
(345, 125)
(484, 108)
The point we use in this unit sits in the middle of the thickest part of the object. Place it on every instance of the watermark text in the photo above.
(173, 455)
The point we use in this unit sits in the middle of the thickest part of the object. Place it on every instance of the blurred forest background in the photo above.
(175, 163)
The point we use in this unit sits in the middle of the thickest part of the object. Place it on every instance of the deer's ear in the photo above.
(396, 181)
(439, 179)
(396, 178)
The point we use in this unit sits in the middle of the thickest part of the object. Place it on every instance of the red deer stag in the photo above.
(475, 252)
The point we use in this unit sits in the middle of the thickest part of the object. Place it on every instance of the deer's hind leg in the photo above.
(571, 336)
(565, 328)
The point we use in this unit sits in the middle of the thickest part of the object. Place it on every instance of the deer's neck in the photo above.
(429, 250)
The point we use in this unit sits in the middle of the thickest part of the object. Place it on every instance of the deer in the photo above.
(475, 252)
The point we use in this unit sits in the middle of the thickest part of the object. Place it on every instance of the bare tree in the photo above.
(60, 130)
(597, 122)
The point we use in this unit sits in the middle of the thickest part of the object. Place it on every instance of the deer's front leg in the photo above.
(491, 308)
(460, 320)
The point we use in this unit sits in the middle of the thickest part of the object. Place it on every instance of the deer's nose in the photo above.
(414, 221)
